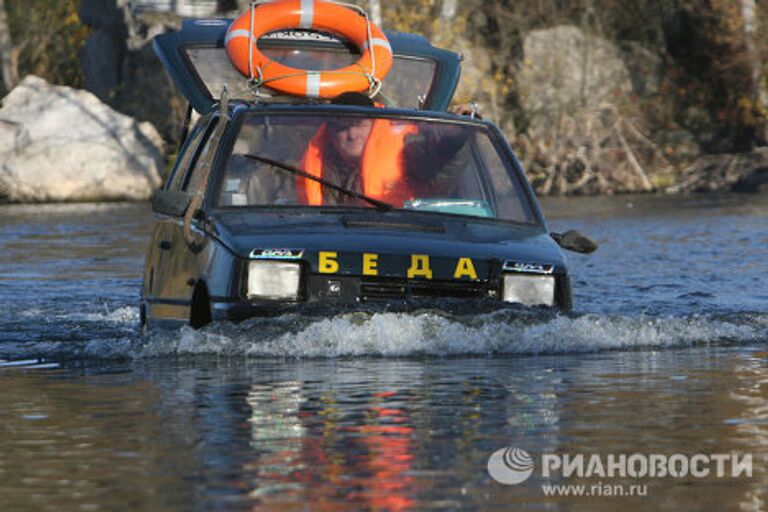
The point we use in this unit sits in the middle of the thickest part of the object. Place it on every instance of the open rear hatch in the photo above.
(422, 77)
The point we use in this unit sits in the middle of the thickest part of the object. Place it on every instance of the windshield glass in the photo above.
(431, 166)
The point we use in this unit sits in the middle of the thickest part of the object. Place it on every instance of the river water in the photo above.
(666, 353)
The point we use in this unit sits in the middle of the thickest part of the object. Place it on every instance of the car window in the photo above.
(185, 158)
(414, 164)
(202, 155)
(509, 195)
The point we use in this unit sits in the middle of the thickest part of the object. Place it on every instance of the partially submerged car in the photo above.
(266, 208)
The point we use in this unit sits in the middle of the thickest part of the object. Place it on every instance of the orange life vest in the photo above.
(382, 164)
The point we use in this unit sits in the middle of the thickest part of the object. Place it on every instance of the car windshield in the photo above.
(347, 160)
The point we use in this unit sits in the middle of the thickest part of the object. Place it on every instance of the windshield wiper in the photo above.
(380, 205)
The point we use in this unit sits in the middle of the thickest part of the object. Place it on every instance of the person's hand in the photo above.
(465, 109)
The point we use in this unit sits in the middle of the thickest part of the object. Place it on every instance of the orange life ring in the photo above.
(375, 60)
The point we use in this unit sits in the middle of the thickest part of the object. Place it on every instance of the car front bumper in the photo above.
(327, 295)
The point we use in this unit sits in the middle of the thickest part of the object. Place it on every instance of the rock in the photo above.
(100, 59)
(121, 68)
(188, 8)
(754, 182)
(479, 82)
(147, 92)
(63, 144)
(741, 172)
(565, 71)
(105, 48)
(646, 68)
(13, 136)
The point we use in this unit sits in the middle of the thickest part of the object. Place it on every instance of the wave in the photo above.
(426, 333)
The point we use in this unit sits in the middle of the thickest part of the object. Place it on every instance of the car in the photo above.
(245, 227)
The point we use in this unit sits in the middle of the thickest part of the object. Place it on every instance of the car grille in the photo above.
(404, 289)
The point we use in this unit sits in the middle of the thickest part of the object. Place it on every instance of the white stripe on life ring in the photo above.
(313, 85)
(235, 34)
(307, 13)
(378, 42)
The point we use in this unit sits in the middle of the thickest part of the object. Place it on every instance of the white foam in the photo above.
(401, 334)
(395, 334)
(125, 315)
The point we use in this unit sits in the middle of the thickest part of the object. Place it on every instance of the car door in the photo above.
(163, 291)
(192, 253)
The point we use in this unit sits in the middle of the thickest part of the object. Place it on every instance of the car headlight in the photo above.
(529, 290)
(272, 280)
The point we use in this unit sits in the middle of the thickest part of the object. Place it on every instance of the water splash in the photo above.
(426, 333)
(400, 334)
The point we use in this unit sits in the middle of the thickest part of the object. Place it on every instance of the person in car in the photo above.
(388, 160)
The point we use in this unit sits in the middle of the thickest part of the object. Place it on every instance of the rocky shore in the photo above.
(582, 112)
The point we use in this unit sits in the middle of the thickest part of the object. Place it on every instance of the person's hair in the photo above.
(357, 99)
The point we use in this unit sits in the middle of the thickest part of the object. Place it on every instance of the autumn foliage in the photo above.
(710, 91)
(46, 36)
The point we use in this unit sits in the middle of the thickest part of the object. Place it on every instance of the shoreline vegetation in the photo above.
(595, 96)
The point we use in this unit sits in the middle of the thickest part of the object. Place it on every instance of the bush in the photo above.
(47, 36)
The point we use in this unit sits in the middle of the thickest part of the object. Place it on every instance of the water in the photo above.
(666, 352)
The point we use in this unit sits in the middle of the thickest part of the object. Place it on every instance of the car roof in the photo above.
(196, 60)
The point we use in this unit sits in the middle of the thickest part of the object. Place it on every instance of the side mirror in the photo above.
(575, 242)
(171, 203)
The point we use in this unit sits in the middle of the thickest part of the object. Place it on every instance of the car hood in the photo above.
(392, 233)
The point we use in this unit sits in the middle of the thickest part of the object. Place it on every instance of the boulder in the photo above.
(566, 71)
(63, 144)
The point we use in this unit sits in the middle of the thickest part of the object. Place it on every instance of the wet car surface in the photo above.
(461, 222)
(277, 202)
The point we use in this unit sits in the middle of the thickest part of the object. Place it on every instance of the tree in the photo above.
(374, 11)
(7, 52)
(47, 35)
(448, 11)
(750, 23)
(735, 69)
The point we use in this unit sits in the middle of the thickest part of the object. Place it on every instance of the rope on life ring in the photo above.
(339, 19)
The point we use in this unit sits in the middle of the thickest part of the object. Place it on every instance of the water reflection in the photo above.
(311, 444)
(247, 431)
(71, 442)
(750, 392)
(372, 434)
(277, 435)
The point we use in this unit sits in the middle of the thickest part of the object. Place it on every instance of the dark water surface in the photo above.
(666, 353)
